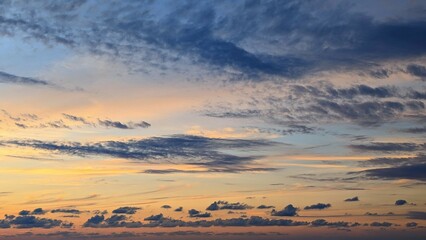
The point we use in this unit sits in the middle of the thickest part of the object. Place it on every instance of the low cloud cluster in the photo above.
(224, 205)
(126, 210)
(318, 206)
(30, 221)
(289, 210)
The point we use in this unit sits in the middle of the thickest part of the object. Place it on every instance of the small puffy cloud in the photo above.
(265, 207)
(222, 205)
(126, 210)
(197, 214)
(323, 222)
(179, 209)
(24, 212)
(381, 224)
(400, 202)
(120, 125)
(318, 206)
(154, 217)
(94, 220)
(353, 199)
(71, 211)
(411, 224)
(289, 210)
(38, 211)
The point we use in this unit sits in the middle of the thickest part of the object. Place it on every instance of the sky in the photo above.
(254, 119)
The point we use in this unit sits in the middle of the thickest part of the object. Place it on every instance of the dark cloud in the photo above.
(318, 206)
(411, 224)
(415, 172)
(251, 38)
(99, 221)
(342, 224)
(414, 130)
(38, 211)
(388, 147)
(354, 199)
(179, 209)
(388, 161)
(396, 168)
(417, 215)
(117, 124)
(154, 217)
(34, 222)
(381, 224)
(289, 210)
(178, 148)
(75, 118)
(126, 210)
(224, 205)
(24, 212)
(197, 214)
(400, 202)
(265, 207)
(417, 70)
(166, 206)
(10, 78)
(72, 211)
(296, 105)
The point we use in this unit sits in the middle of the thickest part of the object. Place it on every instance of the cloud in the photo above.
(354, 199)
(166, 206)
(318, 206)
(396, 168)
(415, 172)
(417, 215)
(211, 170)
(388, 147)
(33, 222)
(38, 211)
(316, 103)
(99, 221)
(414, 130)
(154, 217)
(75, 118)
(24, 212)
(388, 161)
(284, 39)
(161, 221)
(411, 224)
(125, 210)
(179, 209)
(222, 205)
(120, 125)
(289, 210)
(340, 224)
(400, 202)
(381, 224)
(13, 79)
(71, 211)
(186, 149)
(197, 214)
(265, 207)
(417, 70)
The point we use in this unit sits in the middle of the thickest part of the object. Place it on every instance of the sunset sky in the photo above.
(221, 119)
